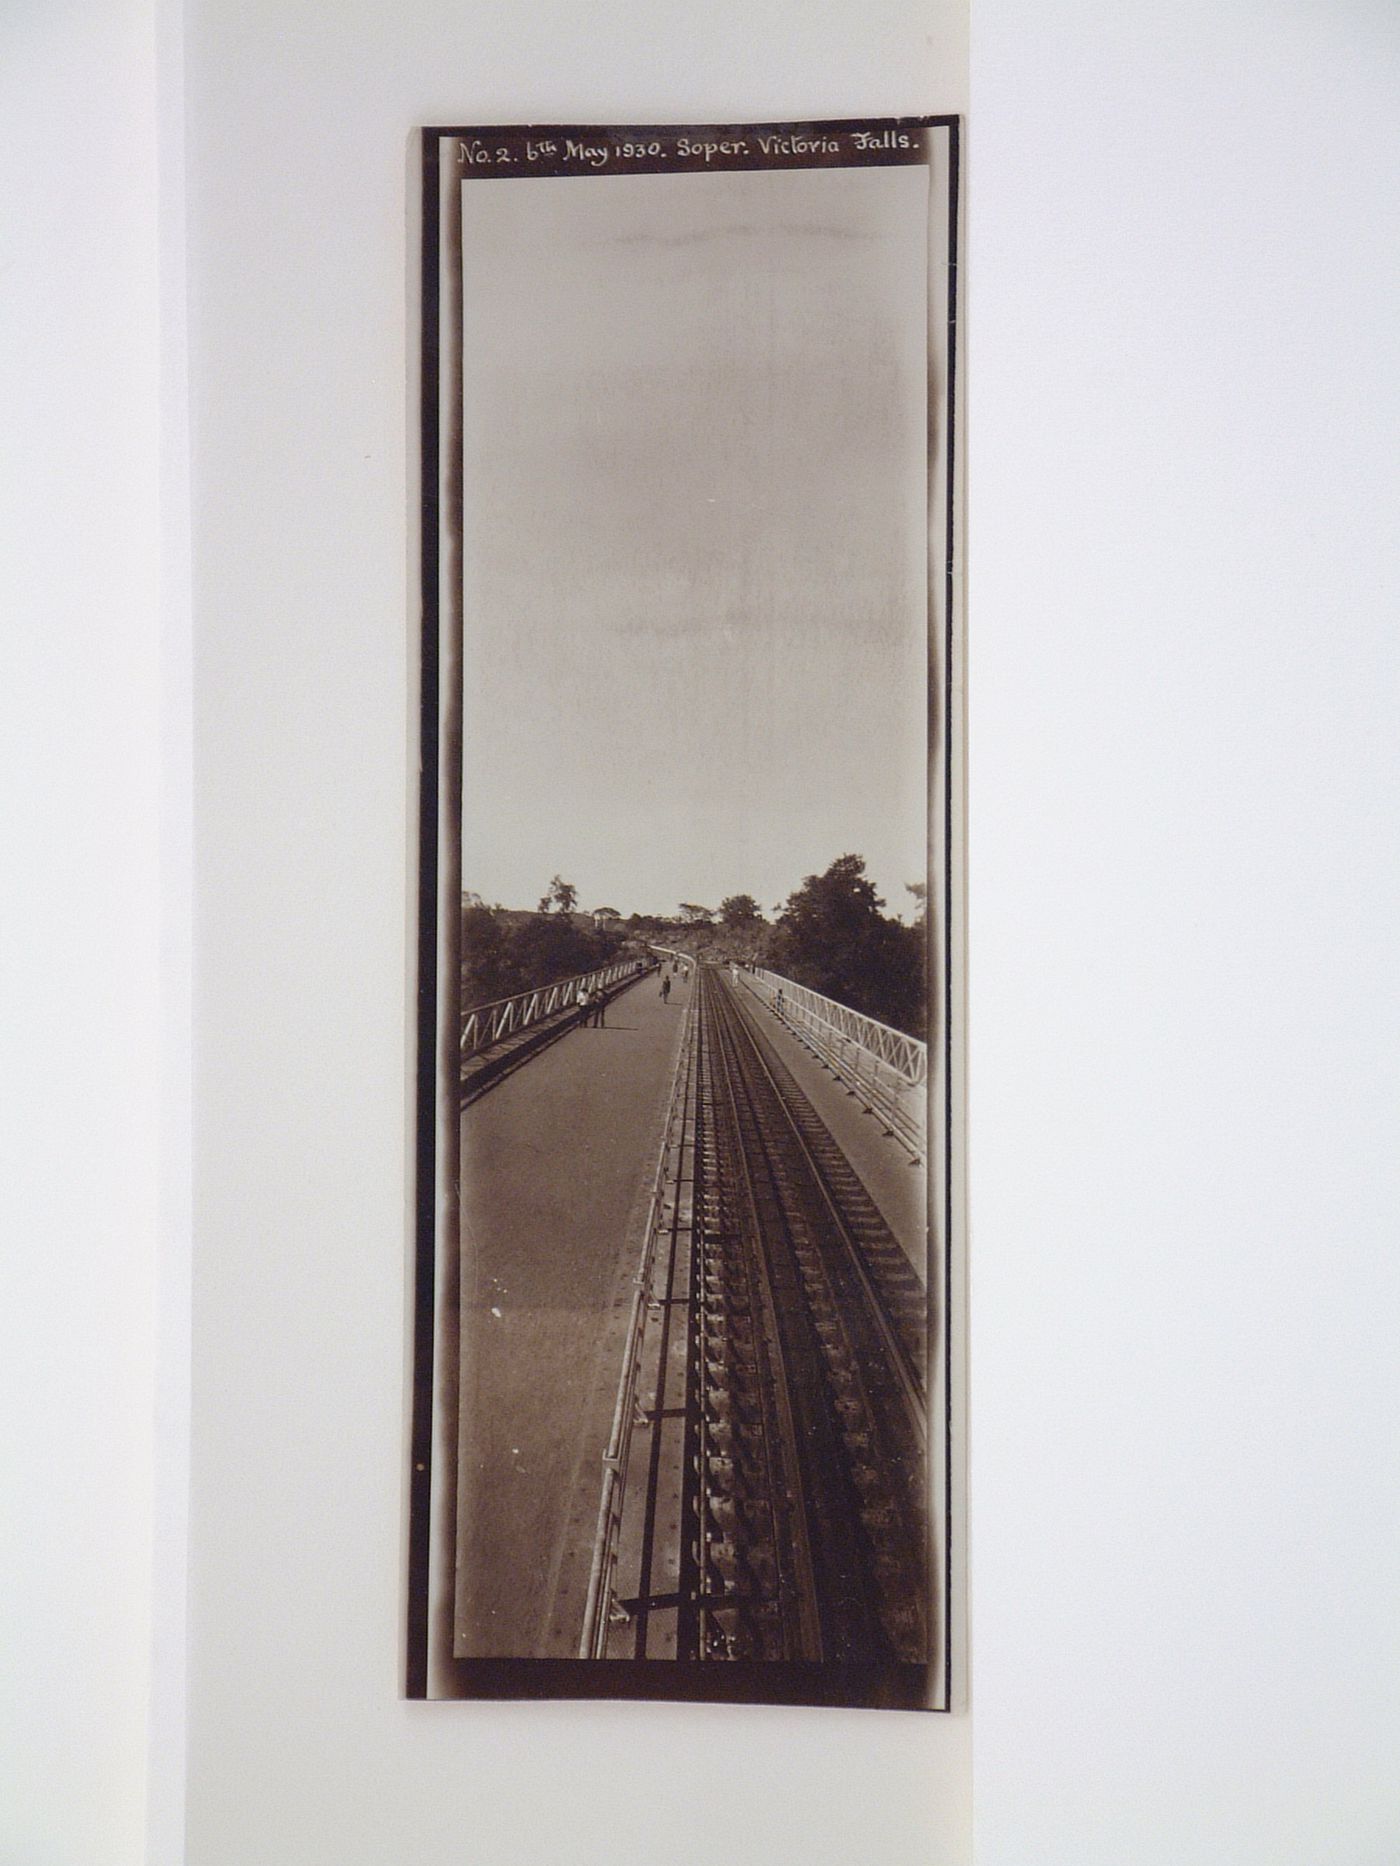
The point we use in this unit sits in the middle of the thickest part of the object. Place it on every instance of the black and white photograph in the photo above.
(685, 1299)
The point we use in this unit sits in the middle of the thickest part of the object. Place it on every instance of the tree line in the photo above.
(503, 954)
(831, 934)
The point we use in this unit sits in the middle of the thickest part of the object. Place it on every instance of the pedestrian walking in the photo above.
(666, 990)
(600, 1007)
(582, 1006)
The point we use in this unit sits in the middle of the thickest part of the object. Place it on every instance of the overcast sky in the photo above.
(695, 650)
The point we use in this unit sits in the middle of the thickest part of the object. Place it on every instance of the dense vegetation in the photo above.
(503, 953)
(833, 937)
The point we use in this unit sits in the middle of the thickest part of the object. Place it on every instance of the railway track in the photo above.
(779, 1509)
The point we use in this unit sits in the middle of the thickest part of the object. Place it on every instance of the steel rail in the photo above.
(911, 1377)
(823, 1448)
(783, 1460)
(816, 1311)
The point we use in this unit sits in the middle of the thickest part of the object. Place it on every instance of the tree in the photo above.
(502, 956)
(833, 937)
(561, 894)
(739, 910)
(487, 969)
(695, 916)
(553, 946)
(919, 889)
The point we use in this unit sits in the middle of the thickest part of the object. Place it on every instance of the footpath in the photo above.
(557, 1163)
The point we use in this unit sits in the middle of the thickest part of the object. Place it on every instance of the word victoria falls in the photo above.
(563, 151)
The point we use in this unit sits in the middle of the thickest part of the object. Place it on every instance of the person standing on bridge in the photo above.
(666, 989)
(582, 1006)
(600, 1007)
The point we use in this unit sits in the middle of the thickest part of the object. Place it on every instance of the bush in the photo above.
(501, 956)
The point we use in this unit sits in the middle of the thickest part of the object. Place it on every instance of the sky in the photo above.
(695, 534)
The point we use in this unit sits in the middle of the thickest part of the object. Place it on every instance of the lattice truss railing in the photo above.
(885, 1068)
(486, 1024)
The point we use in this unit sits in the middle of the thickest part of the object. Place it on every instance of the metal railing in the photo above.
(671, 952)
(886, 1069)
(486, 1024)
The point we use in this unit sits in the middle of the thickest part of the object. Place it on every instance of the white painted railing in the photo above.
(683, 959)
(486, 1024)
(885, 1068)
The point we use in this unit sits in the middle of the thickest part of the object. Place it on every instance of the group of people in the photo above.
(592, 1006)
(592, 1000)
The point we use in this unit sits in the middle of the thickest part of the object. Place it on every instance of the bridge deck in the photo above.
(557, 1167)
(557, 1163)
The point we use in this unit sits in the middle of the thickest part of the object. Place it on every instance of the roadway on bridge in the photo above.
(557, 1165)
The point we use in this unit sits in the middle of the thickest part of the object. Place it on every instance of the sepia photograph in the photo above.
(682, 1395)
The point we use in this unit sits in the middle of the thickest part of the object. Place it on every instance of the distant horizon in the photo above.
(894, 906)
